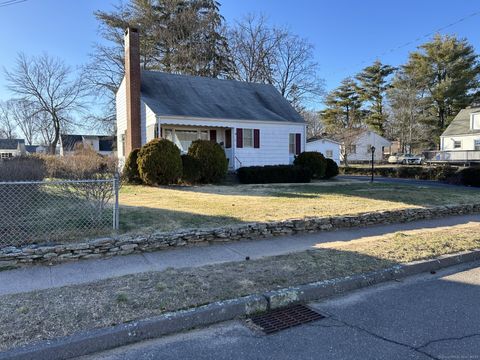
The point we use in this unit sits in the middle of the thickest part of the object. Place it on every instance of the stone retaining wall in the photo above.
(136, 243)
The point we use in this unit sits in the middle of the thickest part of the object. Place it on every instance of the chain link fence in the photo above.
(34, 212)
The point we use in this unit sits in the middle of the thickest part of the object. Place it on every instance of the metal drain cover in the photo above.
(284, 318)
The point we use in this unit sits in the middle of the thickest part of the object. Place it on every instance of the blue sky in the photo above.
(347, 35)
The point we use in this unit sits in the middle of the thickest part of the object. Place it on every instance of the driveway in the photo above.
(423, 317)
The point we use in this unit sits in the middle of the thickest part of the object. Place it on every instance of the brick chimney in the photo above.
(132, 82)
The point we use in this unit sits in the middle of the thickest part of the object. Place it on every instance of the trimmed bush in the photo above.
(331, 169)
(130, 170)
(314, 161)
(274, 174)
(212, 159)
(159, 162)
(470, 176)
(191, 169)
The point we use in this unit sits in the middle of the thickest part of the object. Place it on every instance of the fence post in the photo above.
(116, 215)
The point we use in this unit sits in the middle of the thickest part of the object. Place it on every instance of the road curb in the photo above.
(98, 340)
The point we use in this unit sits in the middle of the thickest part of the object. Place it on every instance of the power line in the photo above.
(11, 2)
(428, 35)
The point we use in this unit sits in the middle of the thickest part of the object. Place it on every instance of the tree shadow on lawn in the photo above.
(147, 218)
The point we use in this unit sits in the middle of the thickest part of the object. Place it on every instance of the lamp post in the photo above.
(373, 159)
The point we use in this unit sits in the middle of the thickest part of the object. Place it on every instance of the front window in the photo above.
(476, 145)
(6, 155)
(369, 148)
(352, 149)
(329, 154)
(184, 138)
(292, 144)
(457, 144)
(475, 121)
(247, 137)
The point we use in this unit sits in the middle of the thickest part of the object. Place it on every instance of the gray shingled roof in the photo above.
(460, 125)
(194, 96)
(10, 144)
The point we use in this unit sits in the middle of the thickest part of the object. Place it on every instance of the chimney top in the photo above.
(130, 29)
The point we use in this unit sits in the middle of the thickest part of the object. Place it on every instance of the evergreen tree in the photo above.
(447, 69)
(373, 83)
(343, 116)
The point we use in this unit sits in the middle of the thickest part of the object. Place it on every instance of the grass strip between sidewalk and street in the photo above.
(46, 314)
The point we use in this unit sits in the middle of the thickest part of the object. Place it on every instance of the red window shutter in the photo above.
(239, 138)
(298, 144)
(256, 138)
(161, 132)
(213, 135)
(228, 138)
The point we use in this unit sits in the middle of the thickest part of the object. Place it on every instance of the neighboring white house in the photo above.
(254, 124)
(461, 139)
(328, 147)
(11, 147)
(102, 144)
(359, 146)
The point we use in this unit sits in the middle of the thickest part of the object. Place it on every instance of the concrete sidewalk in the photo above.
(43, 277)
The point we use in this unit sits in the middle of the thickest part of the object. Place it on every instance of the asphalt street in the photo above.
(430, 316)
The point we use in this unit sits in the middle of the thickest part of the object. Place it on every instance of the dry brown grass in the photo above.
(170, 208)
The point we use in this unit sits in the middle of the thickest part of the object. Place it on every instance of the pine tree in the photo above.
(343, 116)
(373, 83)
(447, 69)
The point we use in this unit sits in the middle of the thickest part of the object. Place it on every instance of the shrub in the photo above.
(331, 169)
(23, 168)
(191, 169)
(274, 174)
(314, 161)
(443, 173)
(84, 163)
(470, 176)
(130, 170)
(159, 162)
(210, 155)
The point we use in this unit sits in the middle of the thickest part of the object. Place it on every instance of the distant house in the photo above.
(102, 144)
(460, 142)
(357, 145)
(328, 147)
(12, 147)
(253, 123)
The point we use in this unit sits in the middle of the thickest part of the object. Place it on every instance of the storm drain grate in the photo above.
(284, 318)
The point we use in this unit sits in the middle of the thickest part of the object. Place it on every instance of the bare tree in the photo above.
(266, 54)
(295, 73)
(253, 47)
(50, 84)
(7, 123)
(25, 115)
(314, 123)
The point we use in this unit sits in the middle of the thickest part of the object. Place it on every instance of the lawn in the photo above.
(170, 208)
(58, 312)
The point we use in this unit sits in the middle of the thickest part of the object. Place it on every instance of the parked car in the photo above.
(394, 158)
(405, 159)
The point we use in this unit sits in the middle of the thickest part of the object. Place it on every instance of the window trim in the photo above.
(476, 144)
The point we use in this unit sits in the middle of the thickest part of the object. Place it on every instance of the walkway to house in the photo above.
(43, 277)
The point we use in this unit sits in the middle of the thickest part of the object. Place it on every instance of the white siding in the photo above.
(121, 107)
(363, 144)
(274, 139)
(323, 146)
(467, 142)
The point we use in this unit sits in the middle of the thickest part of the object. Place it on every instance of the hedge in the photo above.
(314, 161)
(212, 160)
(412, 172)
(470, 176)
(331, 169)
(159, 162)
(274, 174)
(130, 170)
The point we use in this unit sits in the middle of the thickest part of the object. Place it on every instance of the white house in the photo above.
(359, 146)
(102, 144)
(253, 122)
(461, 139)
(11, 147)
(328, 147)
